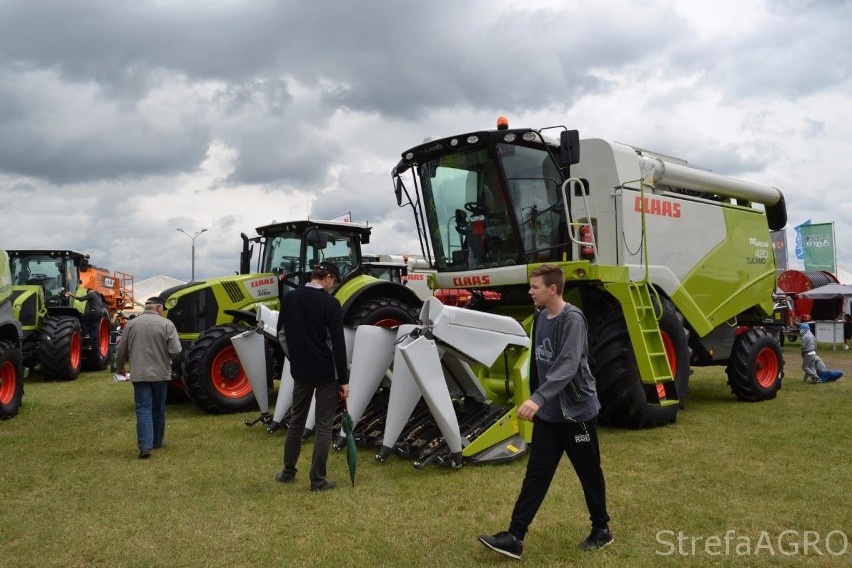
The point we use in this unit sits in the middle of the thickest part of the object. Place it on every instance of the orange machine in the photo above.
(116, 288)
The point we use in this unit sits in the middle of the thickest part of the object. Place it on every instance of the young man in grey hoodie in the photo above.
(563, 407)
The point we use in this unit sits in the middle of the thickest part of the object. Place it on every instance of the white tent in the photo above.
(844, 276)
(144, 289)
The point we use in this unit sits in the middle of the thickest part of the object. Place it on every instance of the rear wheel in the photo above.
(96, 358)
(756, 366)
(213, 375)
(620, 388)
(61, 349)
(11, 379)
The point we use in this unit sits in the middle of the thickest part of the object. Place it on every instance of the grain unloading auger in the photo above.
(432, 407)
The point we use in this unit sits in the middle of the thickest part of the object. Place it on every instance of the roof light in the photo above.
(472, 139)
(509, 137)
(502, 123)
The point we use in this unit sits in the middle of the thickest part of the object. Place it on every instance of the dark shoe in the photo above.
(283, 477)
(504, 543)
(597, 539)
(144, 453)
(324, 486)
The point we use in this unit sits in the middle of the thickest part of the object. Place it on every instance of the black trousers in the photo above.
(326, 406)
(549, 440)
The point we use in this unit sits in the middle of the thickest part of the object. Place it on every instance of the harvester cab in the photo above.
(671, 264)
(66, 325)
(210, 312)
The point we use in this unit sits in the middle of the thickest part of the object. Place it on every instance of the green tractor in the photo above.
(11, 367)
(66, 326)
(208, 313)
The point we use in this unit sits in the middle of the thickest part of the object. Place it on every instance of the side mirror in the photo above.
(398, 188)
(83, 265)
(569, 148)
(318, 239)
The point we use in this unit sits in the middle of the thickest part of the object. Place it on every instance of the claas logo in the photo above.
(483, 280)
(659, 207)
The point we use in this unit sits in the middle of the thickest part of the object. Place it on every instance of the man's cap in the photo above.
(803, 326)
(154, 300)
(329, 267)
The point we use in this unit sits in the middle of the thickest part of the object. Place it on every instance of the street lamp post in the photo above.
(193, 237)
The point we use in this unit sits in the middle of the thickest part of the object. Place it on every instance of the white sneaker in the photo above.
(846, 348)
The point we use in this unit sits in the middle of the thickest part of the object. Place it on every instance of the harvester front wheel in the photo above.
(97, 357)
(619, 383)
(676, 343)
(61, 349)
(213, 375)
(11, 380)
(756, 366)
(382, 312)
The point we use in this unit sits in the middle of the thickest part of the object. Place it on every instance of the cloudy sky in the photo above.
(123, 121)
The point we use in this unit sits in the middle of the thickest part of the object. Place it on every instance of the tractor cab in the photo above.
(491, 199)
(57, 272)
(292, 249)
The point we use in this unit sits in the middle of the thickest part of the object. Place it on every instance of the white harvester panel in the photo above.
(476, 336)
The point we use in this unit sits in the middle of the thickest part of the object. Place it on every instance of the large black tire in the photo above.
(756, 366)
(383, 312)
(96, 357)
(11, 379)
(619, 384)
(61, 349)
(212, 373)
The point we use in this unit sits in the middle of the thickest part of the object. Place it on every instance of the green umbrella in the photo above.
(351, 450)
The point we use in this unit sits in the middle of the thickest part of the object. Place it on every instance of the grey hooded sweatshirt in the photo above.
(567, 391)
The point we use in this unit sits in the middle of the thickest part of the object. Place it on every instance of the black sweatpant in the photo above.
(326, 406)
(549, 439)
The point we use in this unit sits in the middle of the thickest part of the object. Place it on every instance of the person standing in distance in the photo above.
(150, 343)
(310, 329)
(563, 407)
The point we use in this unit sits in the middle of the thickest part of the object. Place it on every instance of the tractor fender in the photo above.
(63, 311)
(244, 316)
(381, 289)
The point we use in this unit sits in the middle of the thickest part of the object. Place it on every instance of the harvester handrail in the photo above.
(572, 181)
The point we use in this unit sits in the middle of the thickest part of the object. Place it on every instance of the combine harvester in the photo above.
(672, 266)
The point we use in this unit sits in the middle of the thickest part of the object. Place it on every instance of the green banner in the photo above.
(818, 246)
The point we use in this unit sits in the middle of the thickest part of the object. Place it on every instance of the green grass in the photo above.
(74, 493)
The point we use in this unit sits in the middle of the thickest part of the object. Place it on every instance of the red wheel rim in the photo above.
(76, 349)
(671, 352)
(8, 382)
(387, 322)
(231, 384)
(766, 367)
(103, 337)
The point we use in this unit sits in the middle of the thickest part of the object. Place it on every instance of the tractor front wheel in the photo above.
(61, 349)
(11, 379)
(213, 375)
(756, 366)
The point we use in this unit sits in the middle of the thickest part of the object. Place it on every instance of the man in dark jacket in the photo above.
(310, 329)
(563, 407)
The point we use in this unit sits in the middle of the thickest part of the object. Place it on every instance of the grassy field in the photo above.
(74, 493)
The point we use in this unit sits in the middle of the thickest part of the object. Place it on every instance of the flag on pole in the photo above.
(800, 252)
(818, 246)
(779, 245)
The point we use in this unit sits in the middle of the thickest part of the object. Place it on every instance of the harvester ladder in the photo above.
(641, 316)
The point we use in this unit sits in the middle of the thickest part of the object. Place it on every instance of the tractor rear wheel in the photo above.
(756, 366)
(213, 375)
(96, 358)
(382, 312)
(61, 349)
(619, 383)
(11, 379)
